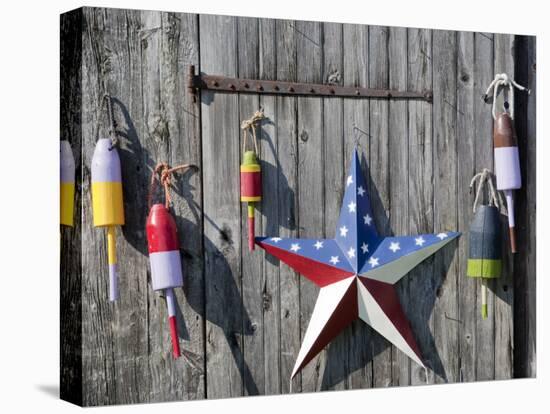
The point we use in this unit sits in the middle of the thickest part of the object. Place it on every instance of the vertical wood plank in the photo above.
(336, 365)
(420, 197)
(468, 309)
(445, 201)
(287, 154)
(222, 237)
(253, 332)
(115, 333)
(310, 182)
(356, 113)
(380, 175)
(398, 143)
(484, 365)
(169, 44)
(271, 174)
(504, 287)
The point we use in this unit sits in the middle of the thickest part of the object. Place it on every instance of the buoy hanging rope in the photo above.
(250, 125)
(502, 80)
(163, 246)
(163, 174)
(112, 122)
(251, 175)
(485, 178)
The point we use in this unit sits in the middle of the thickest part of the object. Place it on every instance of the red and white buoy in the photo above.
(164, 247)
(164, 256)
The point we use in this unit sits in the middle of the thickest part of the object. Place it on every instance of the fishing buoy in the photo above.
(67, 186)
(251, 189)
(484, 260)
(485, 248)
(107, 204)
(251, 174)
(163, 244)
(506, 153)
(164, 256)
(507, 167)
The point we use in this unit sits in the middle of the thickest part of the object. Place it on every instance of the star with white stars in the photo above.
(367, 219)
(419, 241)
(295, 247)
(356, 273)
(394, 247)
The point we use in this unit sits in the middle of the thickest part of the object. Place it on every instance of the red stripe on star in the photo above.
(319, 273)
(386, 297)
(344, 314)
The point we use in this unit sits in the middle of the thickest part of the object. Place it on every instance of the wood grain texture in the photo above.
(309, 57)
(334, 375)
(468, 308)
(445, 312)
(357, 132)
(422, 295)
(398, 136)
(504, 286)
(242, 315)
(379, 170)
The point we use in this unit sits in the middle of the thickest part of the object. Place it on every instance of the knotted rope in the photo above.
(252, 124)
(485, 177)
(112, 122)
(163, 174)
(502, 80)
(108, 100)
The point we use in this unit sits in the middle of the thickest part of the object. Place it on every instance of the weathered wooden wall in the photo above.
(243, 314)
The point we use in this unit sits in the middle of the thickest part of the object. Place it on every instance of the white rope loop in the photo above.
(502, 80)
(485, 177)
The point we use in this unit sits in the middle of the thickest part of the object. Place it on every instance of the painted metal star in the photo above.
(356, 272)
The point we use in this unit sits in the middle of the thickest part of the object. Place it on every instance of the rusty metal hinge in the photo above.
(269, 87)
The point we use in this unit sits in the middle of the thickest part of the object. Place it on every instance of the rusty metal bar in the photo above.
(226, 84)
